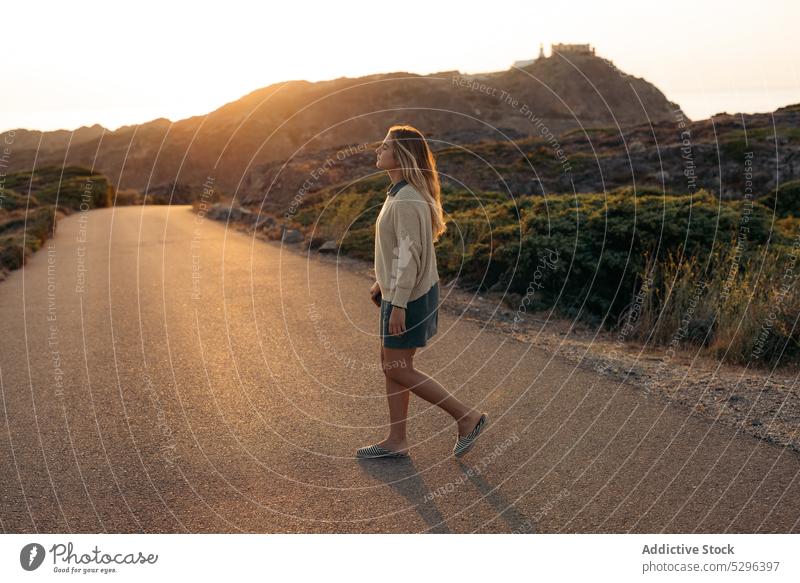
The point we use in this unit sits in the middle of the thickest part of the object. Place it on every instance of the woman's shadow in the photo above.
(403, 476)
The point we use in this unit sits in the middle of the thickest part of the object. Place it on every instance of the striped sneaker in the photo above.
(463, 444)
(375, 451)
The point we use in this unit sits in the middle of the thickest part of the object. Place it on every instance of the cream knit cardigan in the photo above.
(405, 260)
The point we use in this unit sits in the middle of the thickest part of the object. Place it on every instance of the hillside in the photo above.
(236, 143)
(662, 157)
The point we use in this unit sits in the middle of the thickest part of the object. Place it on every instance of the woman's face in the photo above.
(385, 158)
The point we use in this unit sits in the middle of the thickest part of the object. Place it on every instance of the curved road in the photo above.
(160, 373)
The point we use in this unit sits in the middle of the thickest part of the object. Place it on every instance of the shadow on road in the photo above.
(405, 479)
(517, 522)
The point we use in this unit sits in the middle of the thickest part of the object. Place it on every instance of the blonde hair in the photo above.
(414, 156)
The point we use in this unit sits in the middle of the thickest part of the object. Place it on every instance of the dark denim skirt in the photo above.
(422, 320)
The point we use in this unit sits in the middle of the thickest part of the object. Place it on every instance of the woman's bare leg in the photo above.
(399, 368)
(398, 397)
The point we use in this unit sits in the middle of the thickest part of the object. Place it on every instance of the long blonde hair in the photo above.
(412, 153)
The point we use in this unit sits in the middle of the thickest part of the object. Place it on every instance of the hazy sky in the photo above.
(68, 64)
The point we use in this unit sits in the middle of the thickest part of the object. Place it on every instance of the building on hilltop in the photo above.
(567, 50)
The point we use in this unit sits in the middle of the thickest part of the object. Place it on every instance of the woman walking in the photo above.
(407, 290)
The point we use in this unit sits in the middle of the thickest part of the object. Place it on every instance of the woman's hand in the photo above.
(374, 294)
(397, 321)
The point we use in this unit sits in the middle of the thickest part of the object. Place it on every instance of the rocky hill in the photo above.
(236, 144)
(725, 155)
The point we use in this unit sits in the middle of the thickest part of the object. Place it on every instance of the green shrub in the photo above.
(606, 246)
(785, 200)
(69, 187)
(26, 221)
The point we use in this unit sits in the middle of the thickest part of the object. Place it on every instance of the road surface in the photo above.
(161, 373)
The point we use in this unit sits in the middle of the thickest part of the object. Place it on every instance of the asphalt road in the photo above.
(168, 375)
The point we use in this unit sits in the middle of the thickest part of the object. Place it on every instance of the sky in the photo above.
(68, 64)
